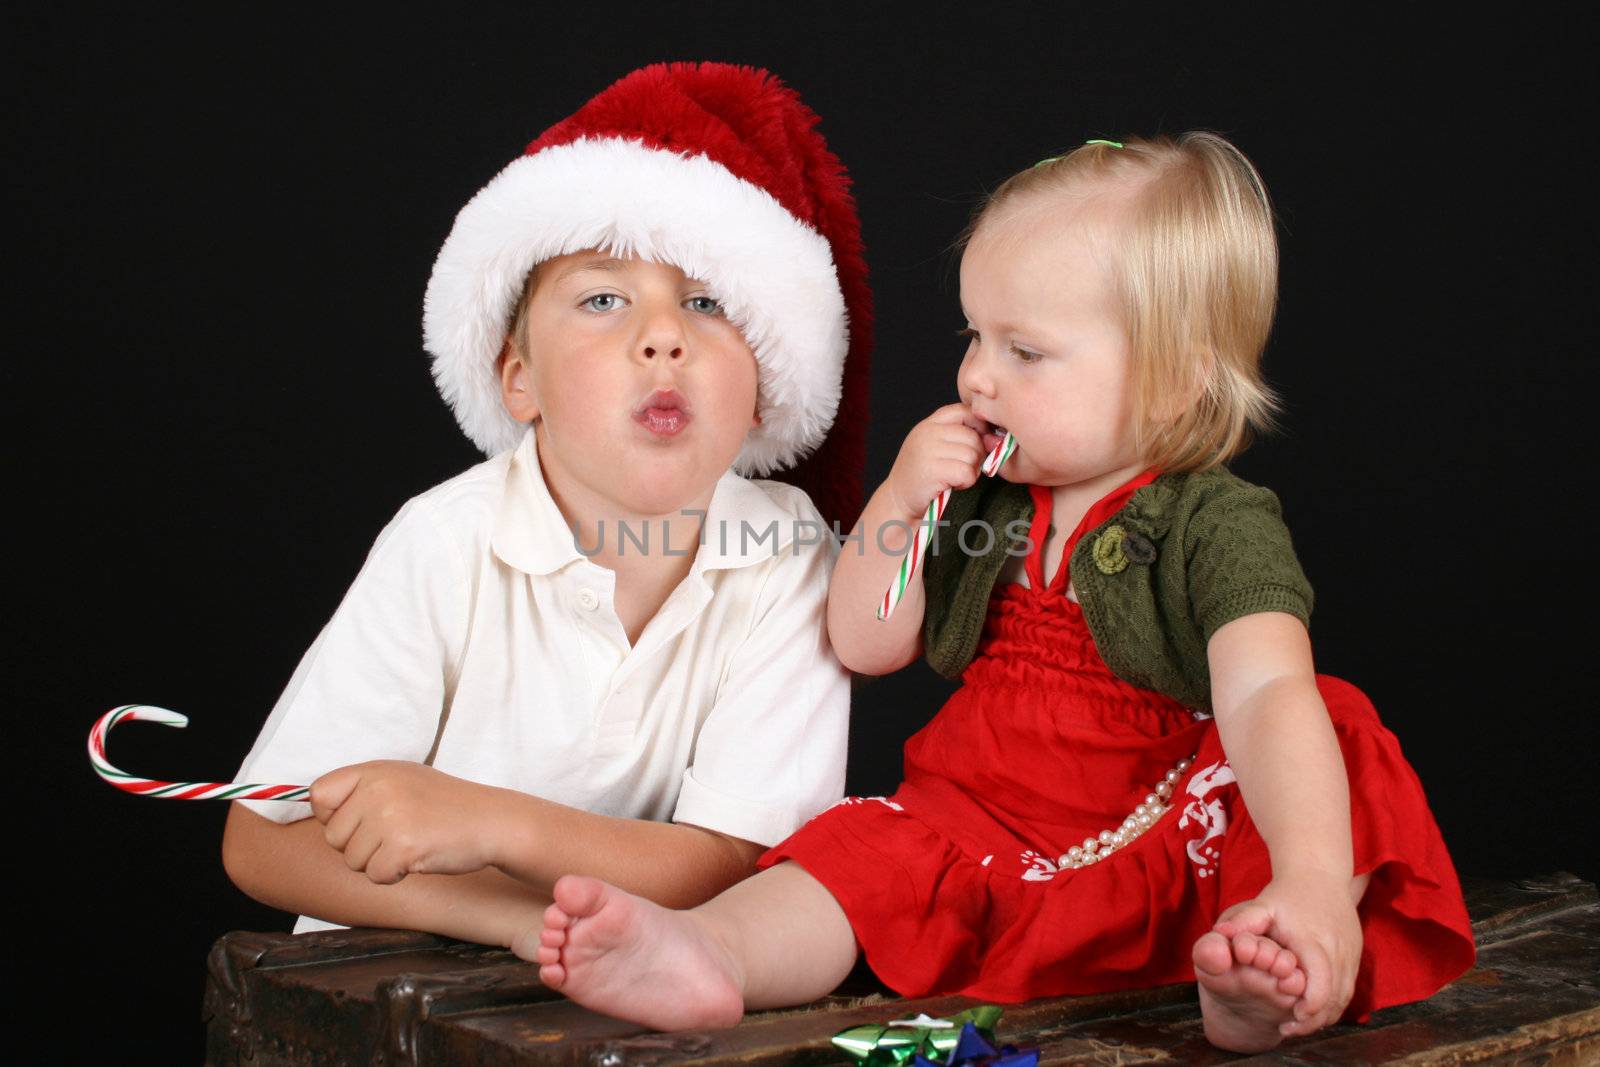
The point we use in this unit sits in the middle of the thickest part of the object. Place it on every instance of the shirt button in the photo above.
(588, 600)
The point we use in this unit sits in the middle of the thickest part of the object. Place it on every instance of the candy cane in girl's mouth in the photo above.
(924, 532)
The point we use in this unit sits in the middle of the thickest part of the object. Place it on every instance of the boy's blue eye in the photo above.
(704, 304)
(602, 302)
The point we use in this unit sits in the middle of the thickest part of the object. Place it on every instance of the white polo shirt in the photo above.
(479, 634)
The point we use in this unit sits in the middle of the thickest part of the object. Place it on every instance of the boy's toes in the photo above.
(1284, 965)
(577, 896)
(527, 945)
(555, 918)
(1212, 953)
(553, 975)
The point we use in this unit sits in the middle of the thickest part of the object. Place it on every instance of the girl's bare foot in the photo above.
(1248, 988)
(627, 957)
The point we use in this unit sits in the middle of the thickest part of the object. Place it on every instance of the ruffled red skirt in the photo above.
(963, 881)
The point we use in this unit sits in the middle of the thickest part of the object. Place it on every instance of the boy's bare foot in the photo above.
(1248, 988)
(627, 957)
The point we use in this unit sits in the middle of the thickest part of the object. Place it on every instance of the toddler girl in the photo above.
(1141, 780)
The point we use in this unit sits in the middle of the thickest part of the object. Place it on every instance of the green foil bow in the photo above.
(890, 1045)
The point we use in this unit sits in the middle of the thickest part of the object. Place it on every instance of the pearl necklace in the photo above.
(1096, 848)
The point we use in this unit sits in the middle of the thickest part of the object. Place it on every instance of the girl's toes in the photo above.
(1305, 1014)
(1293, 984)
(1213, 954)
(1245, 947)
(1284, 965)
(553, 937)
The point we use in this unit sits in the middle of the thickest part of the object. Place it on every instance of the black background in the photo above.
(219, 230)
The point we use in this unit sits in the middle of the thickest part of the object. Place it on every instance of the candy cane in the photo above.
(998, 456)
(924, 532)
(148, 787)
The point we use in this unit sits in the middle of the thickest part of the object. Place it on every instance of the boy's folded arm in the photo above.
(396, 821)
(290, 866)
(674, 864)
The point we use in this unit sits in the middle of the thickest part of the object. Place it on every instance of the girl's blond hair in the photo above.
(1196, 267)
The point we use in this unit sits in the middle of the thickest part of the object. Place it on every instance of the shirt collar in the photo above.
(530, 533)
(742, 523)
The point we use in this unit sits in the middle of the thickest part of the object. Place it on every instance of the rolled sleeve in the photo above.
(771, 752)
(373, 684)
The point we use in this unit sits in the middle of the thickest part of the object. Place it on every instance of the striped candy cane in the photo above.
(924, 532)
(148, 787)
(999, 454)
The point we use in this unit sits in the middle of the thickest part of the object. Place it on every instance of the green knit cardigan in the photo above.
(1187, 554)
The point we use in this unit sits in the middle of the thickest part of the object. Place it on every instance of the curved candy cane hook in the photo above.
(149, 787)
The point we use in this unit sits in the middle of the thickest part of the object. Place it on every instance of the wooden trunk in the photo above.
(390, 997)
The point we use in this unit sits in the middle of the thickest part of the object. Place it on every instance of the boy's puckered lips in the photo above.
(664, 412)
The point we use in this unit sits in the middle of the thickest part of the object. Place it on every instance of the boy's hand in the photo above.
(943, 451)
(392, 818)
(1314, 918)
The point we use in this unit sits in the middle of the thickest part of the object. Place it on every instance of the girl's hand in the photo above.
(392, 818)
(1314, 917)
(943, 451)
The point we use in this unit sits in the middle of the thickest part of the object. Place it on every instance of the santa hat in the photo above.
(720, 171)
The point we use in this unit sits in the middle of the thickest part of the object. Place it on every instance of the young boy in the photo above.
(601, 651)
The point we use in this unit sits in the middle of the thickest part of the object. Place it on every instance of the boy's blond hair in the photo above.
(1196, 265)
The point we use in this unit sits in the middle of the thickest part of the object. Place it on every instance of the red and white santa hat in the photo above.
(718, 170)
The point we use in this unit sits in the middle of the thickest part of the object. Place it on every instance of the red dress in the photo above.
(966, 880)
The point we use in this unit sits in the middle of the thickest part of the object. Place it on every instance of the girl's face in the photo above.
(1048, 357)
(642, 389)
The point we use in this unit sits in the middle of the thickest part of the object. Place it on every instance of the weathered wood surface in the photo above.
(388, 997)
